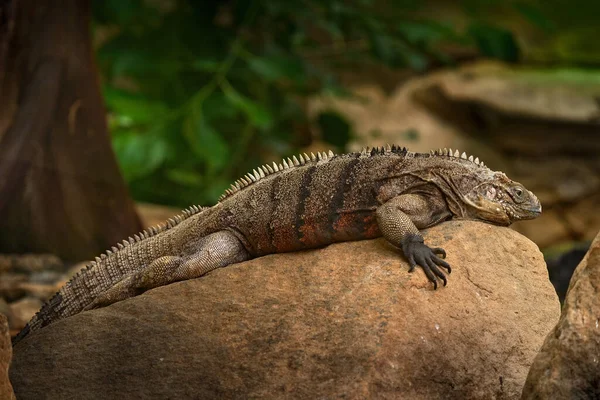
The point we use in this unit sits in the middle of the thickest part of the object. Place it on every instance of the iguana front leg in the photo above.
(399, 220)
(213, 251)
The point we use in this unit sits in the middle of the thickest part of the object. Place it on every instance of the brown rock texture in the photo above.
(344, 321)
(568, 365)
(6, 391)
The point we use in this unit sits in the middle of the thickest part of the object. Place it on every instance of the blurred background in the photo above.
(115, 114)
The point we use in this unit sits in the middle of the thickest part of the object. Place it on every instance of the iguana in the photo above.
(304, 202)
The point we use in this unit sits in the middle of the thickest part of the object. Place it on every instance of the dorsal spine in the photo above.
(302, 159)
(268, 169)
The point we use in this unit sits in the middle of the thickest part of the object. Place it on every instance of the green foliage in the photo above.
(495, 42)
(334, 129)
(199, 92)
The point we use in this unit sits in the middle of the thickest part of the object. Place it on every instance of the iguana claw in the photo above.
(418, 253)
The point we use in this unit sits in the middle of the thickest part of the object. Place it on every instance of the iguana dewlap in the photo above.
(304, 202)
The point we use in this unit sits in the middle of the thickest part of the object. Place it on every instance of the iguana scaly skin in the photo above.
(302, 203)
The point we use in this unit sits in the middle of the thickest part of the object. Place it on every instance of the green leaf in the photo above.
(267, 69)
(206, 65)
(423, 32)
(216, 106)
(535, 16)
(133, 108)
(185, 177)
(139, 154)
(122, 12)
(382, 47)
(126, 55)
(258, 115)
(330, 27)
(335, 129)
(276, 67)
(495, 42)
(204, 141)
(416, 61)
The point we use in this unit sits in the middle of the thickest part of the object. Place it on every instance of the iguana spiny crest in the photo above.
(303, 159)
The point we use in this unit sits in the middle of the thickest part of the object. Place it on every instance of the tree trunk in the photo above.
(60, 188)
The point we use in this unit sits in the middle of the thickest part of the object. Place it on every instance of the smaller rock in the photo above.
(568, 365)
(29, 262)
(41, 291)
(539, 93)
(10, 286)
(45, 277)
(6, 390)
(24, 309)
(13, 320)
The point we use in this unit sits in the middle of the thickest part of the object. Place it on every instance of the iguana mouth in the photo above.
(523, 212)
(535, 211)
(526, 214)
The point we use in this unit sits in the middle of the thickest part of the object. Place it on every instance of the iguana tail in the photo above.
(105, 272)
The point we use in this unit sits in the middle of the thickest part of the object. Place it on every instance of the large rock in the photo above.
(344, 321)
(6, 391)
(568, 366)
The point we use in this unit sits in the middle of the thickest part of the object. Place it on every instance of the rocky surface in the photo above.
(344, 321)
(568, 365)
(6, 391)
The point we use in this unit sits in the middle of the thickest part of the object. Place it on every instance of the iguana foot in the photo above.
(418, 253)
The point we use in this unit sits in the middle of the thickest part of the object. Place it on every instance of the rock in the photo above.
(344, 321)
(41, 291)
(24, 309)
(6, 390)
(567, 366)
(378, 119)
(12, 319)
(517, 111)
(10, 286)
(551, 93)
(45, 277)
(29, 262)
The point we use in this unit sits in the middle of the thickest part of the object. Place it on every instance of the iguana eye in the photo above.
(518, 194)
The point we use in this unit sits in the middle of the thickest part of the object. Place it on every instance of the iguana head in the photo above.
(501, 201)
